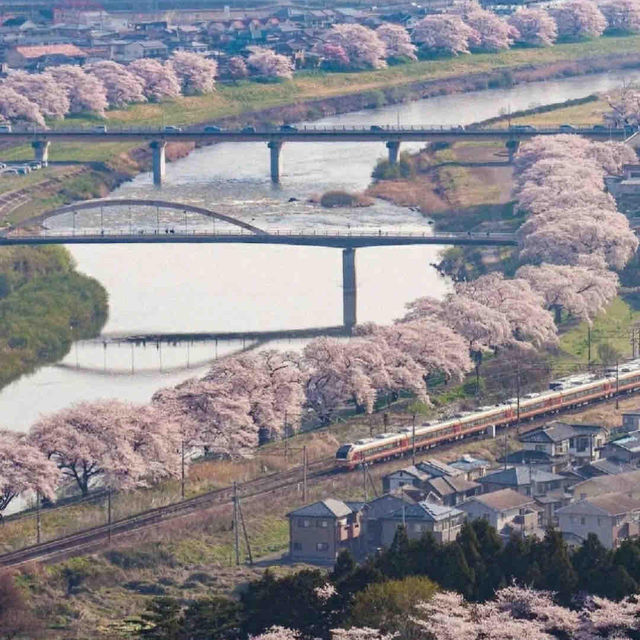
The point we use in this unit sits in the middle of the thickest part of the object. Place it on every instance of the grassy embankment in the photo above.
(112, 161)
(44, 306)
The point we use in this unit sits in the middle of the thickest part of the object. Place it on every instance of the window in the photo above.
(417, 527)
(322, 523)
(583, 520)
(599, 521)
(304, 523)
(322, 546)
(297, 546)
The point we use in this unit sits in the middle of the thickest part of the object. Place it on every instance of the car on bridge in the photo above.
(100, 128)
(172, 129)
(567, 128)
(248, 130)
(211, 128)
(288, 128)
(5, 128)
(523, 128)
(376, 127)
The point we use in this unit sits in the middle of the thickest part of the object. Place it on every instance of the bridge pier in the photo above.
(349, 290)
(41, 151)
(512, 148)
(159, 161)
(275, 147)
(394, 151)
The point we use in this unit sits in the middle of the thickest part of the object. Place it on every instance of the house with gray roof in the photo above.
(506, 510)
(319, 531)
(442, 521)
(613, 517)
(603, 467)
(559, 440)
(373, 514)
(409, 476)
(525, 480)
(628, 483)
(472, 467)
(451, 491)
(625, 449)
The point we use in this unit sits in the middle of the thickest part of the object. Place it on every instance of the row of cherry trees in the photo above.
(573, 236)
(67, 89)
(470, 26)
(515, 613)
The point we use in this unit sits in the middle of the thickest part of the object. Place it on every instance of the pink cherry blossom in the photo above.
(16, 108)
(43, 90)
(266, 62)
(159, 80)
(123, 87)
(445, 33)
(362, 46)
(84, 91)
(579, 19)
(621, 15)
(397, 41)
(195, 73)
(535, 27)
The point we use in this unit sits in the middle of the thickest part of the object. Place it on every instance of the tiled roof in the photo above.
(436, 467)
(518, 476)
(50, 50)
(629, 481)
(468, 463)
(447, 485)
(503, 499)
(323, 508)
(629, 442)
(604, 466)
(612, 504)
(425, 511)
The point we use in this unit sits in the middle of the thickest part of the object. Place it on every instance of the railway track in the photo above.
(90, 539)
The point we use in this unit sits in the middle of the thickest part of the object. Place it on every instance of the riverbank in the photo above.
(308, 96)
(45, 305)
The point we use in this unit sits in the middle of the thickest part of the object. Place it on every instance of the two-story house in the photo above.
(319, 531)
(613, 517)
(505, 510)
(628, 483)
(371, 518)
(407, 477)
(472, 467)
(442, 521)
(561, 441)
(451, 491)
(526, 480)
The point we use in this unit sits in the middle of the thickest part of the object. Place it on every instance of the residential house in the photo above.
(630, 421)
(451, 491)
(613, 517)
(37, 57)
(437, 468)
(603, 467)
(525, 480)
(625, 449)
(472, 467)
(627, 483)
(560, 440)
(410, 476)
(424, 517)
(145, 49)
(537, 459)
(319, 531)
(506, 510)
(372, 514)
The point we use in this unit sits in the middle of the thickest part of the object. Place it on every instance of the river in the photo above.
(200, 288)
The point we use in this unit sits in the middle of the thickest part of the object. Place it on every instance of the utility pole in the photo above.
(517, 395)
(38, 521)
(304, 473)
(364, 479)
(413, 441)
(236, 533)
(589, 346)
(244, 532)
(617, 385)
(182, 470)
(109, 514)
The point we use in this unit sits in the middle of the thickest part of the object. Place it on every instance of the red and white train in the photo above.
(565, 393)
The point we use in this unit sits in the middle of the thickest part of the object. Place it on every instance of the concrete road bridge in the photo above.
(391, 136)
(241, 233)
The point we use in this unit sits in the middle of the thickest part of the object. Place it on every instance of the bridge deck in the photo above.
(337, 240)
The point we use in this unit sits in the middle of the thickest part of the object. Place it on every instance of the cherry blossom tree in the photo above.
(24, 468)
(159, 80)
(210, 415)
(535, 27)
(494, 33)
(625, 107)
(622, 16)
(88, 442)
(195, 73)
(444, 33)
(237, 68)
(360, 633)
(43, 90)
(612, 156)
(581, 291)
(333, 55)
(563, 236)
(277, 633)
(362, 46)
(397, 41)
(84, 91)
(266, 62)
(514, 298)
(431, 344)
(16, 108)
(577, 19)
(123, 87)
(539, 147)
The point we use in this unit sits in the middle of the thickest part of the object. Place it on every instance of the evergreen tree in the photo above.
(344, 567)
(215, 618)
(161, 620)
(557, 573)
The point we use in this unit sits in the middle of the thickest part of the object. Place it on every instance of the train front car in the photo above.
(344, 456)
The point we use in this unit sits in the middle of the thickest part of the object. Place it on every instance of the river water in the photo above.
(217, 288)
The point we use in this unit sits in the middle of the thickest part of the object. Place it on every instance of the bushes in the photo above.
(343, 199)
(385, 170)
